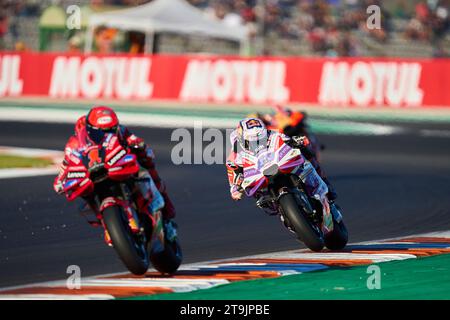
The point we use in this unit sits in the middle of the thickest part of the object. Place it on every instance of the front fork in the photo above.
(302, 193)
(133, 219)
(317, 188)
(150, 201)
(157, 241)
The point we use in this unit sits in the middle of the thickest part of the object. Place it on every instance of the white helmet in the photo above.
(251, 132)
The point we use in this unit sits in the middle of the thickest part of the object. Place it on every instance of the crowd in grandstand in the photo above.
(328, 27)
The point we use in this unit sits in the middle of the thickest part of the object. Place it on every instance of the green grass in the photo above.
(10, 161)
(422, 278)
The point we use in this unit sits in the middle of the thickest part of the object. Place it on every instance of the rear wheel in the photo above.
(310, 235)
(132, 253)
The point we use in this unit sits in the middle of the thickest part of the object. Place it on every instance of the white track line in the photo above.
(148, 120)
(375, 257)
(57, 297)
(186, 284)
(167, 283)
(166, 120)
(31, 152)
(27, 172)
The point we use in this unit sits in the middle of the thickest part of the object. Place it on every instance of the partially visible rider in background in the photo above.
(294, 123)
(90, 130)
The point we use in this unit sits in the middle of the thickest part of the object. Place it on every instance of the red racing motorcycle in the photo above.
(126, 202)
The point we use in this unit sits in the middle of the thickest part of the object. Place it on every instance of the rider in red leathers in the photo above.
(90, 129)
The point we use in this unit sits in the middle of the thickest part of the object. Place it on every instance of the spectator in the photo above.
(137, 42)
(327, 27)
(20, 46)
(104, 38)
(74, 45)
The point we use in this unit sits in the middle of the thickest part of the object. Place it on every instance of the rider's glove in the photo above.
(58, 187)
(301, 141)
(136, 143)
(236, 192)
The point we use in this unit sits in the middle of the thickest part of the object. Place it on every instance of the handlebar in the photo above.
(98, 172)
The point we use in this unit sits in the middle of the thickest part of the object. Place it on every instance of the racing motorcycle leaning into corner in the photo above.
(269, 166)
(126, 202)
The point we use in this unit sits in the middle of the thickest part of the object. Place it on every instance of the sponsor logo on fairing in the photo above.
(265, 158)
(117, 157)
(76, 175)
(115, 169)
(110, 141)
(70, 184)
(74, 159)
(128, 158)
(84, 182)
(283, 151)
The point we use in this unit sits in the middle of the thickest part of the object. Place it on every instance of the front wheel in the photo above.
(168, 261)
(132, 253)
(338, 238)
(311, 236)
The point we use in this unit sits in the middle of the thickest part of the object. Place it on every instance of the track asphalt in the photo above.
(388, 186)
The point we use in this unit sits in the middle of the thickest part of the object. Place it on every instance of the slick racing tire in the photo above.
(297, 221)
(133, 254)
(338, 238)
(168, 261)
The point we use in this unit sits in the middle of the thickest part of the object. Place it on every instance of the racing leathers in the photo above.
(315, 186)
(145, 155)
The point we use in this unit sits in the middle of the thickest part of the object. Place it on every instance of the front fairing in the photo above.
(109, 160)
(117, 160)
(276, 155)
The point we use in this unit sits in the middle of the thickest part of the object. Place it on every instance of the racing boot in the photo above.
(317, 188)
(327, 223)
(168, 212)
(332, 195)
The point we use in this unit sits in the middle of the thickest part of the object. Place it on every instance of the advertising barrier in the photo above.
(359, 82)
